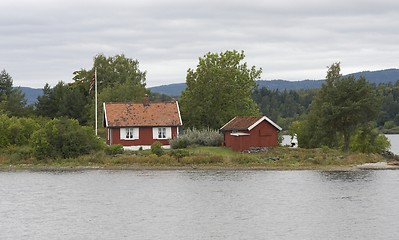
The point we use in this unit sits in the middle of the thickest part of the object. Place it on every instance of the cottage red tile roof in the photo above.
(246, 123)
(140, 115)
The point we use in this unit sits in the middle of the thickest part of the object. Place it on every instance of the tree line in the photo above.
(288, 106)
(221, 87)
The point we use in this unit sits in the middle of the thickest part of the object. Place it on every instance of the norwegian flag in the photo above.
(92, 82)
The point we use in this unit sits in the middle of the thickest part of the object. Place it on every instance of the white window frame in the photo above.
(161, 132)
(129, 133)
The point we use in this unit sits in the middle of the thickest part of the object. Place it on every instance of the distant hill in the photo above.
(376, 77)
(175, 89)
(289, 85)
(381, 76)
(31, 94)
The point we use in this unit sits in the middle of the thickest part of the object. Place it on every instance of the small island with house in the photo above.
(222, 120)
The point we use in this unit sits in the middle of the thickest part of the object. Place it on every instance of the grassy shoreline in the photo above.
(202, 158)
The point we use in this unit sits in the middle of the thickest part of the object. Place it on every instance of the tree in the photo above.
(284, 107)
(119, 79)
(5, 83)
(63, 100)
(12, 100)
(111, 71)
(64, 138)
(389, 112)
(219, 89)
(342, 105)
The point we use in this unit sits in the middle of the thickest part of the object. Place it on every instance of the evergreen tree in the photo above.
(342, 105)
(63, 100)
(12, 100)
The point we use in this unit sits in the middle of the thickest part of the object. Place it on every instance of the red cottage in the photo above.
(136, 125)
(242, 133)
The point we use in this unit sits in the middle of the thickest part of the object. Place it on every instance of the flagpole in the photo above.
(95, 93)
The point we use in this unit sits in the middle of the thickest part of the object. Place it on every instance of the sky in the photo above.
(45, 41)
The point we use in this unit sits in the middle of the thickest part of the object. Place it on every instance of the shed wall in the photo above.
(263, 135)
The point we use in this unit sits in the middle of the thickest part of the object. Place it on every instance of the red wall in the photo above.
(145, 134)
(263, 135)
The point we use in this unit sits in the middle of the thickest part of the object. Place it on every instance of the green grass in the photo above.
(203, 158)
(216, 151)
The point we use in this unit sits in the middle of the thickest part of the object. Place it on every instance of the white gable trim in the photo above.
(105, 115)
(227, 123)
(261, 120)
(178, 110)
(237, 134)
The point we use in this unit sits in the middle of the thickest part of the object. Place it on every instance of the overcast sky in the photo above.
(45, 41)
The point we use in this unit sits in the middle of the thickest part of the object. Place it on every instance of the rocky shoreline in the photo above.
(35, 168)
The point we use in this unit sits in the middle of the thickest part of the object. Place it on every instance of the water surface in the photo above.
(394, 139)
(199, 205)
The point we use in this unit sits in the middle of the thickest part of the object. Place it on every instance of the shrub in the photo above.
(178, 143)
(179, 154)
(202, 159)
(114, 149)
(205, 137)
(4, 134)
(64, 138)
(156, 148)
(368, 140)
(18, 154)
(389, 124)
(16, 131)
(244, 159)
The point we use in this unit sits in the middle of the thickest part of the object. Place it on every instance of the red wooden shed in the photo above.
(243, 132)
(136, 125)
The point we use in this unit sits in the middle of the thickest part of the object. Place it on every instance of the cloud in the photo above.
(45, 41)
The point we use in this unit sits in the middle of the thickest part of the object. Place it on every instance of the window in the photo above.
(161, 132)
(129, 133)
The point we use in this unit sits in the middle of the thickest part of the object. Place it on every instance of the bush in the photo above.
(4, 134)
(156, 148)
(179, 154)
(64, 138)
(16, 131)
(369, 140)
(114, 149)
(178, 143)
(244, 159)
(18, 154)
(202, 159)
(389, 125)
(205, 137)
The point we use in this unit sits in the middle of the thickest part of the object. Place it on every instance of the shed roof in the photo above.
(141, 115)
(247, 123)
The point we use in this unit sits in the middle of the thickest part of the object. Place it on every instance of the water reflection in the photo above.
(347, 176)
(217, 175)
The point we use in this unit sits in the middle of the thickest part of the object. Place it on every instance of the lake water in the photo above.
(199, 205)
(394, 139)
